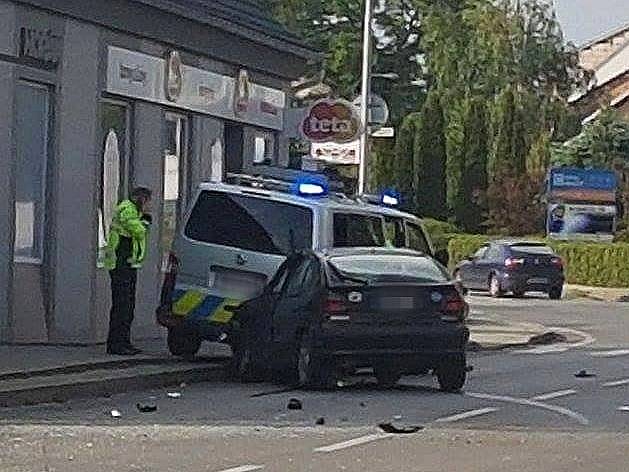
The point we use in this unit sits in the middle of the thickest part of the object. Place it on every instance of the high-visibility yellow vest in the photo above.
(127, 223)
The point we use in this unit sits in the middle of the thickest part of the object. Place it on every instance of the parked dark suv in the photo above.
(513, 266)
(328, 313)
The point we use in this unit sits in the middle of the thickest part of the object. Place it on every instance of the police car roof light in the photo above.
(311, 186)
(390, 198)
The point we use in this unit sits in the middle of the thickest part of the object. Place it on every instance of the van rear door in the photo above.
(232, 244)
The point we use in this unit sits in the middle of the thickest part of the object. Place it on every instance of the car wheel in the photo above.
(387, 378)
(555, 293)
(519, 293)
(495, 290)
(183, 342)
(311, 370)
(452, 374)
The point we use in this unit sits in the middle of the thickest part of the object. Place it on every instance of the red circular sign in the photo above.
(331, 120)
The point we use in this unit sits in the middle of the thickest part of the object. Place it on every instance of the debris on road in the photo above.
(363, 405)
(584, 374)
(392, 429)
(173, 395)
(320, 421)
(397, 417)
(146, 408)
(115, 414)
(294, 404)
(547, 338)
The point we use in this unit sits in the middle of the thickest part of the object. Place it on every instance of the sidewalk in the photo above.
(597, 293)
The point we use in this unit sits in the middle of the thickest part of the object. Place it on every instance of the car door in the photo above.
(486, 264)
(470, 269)
(297, 303)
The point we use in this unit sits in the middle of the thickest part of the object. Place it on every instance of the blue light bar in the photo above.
(390, 198)
(311, 186)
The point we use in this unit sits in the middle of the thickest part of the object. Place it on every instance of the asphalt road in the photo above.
(523, 408)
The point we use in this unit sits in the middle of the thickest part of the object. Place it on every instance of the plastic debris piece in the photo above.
(584, 374)
(173, 395)
(392, 429)
(397, 417)
(146, 408)
(115, 414)
(624, 408)
(320, 421)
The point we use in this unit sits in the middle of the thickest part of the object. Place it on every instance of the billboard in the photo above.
(582, 185)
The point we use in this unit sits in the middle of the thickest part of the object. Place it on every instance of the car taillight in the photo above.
(512, 262)
(557, 261)
(336, 308)
(455, 309)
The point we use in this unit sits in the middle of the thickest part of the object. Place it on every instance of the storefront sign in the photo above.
(331, 121)
(336, 153)
(169, 82)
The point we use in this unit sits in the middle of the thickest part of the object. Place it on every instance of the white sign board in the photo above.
(378, 110)
(335, 153)
(138, 75)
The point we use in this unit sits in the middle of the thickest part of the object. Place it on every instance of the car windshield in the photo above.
(377, 267)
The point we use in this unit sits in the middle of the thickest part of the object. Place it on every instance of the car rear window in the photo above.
(354, 230)
(421, 269)
(250, 223)
(537, 249)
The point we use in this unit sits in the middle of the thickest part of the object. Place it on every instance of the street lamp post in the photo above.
(364, 98)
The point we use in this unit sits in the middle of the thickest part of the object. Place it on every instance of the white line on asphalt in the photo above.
(616, 353)
(466, 415)
(244, 468)
(522, 401)
(552, 395)
(353, 442)
(616, 383)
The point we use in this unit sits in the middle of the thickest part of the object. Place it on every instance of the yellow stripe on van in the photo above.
(188, 303)
(223, 316)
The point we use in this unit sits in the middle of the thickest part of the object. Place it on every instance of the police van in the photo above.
(237, 234)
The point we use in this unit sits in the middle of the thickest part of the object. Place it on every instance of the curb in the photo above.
(56, 389)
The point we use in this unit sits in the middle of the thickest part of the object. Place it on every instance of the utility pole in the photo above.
(364, 99)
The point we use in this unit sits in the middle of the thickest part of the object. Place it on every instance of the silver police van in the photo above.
(236, 235)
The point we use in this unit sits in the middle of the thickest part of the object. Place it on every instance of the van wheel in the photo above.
(183, 342)
(452, 374)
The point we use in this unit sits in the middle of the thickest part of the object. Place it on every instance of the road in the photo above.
(522, 409)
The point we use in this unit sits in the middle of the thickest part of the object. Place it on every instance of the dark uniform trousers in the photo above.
(123, 287)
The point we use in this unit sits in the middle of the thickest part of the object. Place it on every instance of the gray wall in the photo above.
(76, 181)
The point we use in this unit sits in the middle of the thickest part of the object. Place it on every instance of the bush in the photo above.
(595, 264)
(440, 233)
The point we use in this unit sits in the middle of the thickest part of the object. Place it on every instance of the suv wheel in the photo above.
(311, 370)
(555, 293)
(183, 342)
(495, 290)
(452, 374)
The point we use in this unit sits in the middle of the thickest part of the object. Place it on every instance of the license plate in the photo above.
(538, 281)
(396, 303)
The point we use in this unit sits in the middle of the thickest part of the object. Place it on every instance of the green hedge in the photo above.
(595, 264)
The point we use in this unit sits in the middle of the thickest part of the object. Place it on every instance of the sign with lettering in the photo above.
(582, 185)
(331, 121)
(40, 44)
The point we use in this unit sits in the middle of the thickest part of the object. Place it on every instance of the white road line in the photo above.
(466, 415)
(522, 401)
(552, 395)
(244, 468)
(353, 442)
(617, 353)
(616, 383)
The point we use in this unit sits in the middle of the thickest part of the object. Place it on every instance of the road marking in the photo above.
(522, 401)
(466, 415)
(616, 353)
(244, 468)
(552, 395)
(559, 348)
(354, 442)
(616, 383)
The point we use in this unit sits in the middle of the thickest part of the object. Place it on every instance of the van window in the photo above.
(417, 239)
(354, 230)
(249, 223)
(394, 232)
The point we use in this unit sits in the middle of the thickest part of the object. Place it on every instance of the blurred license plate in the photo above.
(538, 280)
(397, 303)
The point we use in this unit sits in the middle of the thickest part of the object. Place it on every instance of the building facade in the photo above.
(99, 96)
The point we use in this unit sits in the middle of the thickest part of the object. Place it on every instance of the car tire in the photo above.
(387, 378)
(311, 370)
(519, 293)
(452, 373)
(555, 293)
(183, 342)
(495, 290)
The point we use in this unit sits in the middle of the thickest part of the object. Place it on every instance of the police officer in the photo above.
(125, 253)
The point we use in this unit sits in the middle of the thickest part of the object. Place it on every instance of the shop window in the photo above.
(264, 148)
(32, 147)
(114, 134)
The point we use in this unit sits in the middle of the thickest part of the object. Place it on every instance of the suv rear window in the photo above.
(421, 269)
(250, 223)
(353, 230)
